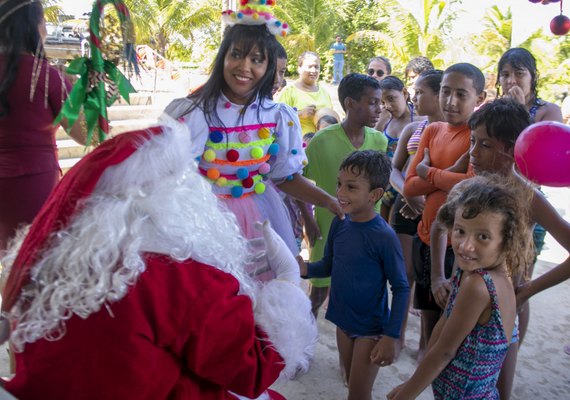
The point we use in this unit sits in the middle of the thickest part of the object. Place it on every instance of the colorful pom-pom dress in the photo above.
(245, 156)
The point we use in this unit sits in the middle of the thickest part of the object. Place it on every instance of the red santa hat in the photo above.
(65, 201)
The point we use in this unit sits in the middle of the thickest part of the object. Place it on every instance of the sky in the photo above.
(527, 17)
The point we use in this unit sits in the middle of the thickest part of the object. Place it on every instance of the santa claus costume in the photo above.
(130, 284)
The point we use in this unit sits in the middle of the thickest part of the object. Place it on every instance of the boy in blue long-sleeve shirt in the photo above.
(362, 254)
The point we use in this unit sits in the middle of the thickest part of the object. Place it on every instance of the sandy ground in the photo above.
(542, 370)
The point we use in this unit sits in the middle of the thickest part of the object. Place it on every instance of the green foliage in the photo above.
(158, 23)
(313, 26)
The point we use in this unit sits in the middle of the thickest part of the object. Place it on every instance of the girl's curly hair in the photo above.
(502, 195)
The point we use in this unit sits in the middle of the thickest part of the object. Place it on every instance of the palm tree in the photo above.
(159, 22)
(407, 35)
(313, 24)
(52, 10)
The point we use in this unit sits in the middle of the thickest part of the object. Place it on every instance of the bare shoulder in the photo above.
(409, 130)
(549, 112)
(473, 288)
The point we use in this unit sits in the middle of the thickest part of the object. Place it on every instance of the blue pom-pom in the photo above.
(242, 173)
(273, 149)
(277, 23)
(237, 191)
(294, 151)
(216, 136)
(239, 15)
(290, 177)
(198, 158)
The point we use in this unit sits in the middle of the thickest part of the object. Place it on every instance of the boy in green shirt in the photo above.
(360, 98)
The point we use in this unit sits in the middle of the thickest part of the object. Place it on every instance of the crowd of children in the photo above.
(455, 227)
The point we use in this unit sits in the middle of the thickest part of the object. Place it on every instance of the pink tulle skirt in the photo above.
(267, 206)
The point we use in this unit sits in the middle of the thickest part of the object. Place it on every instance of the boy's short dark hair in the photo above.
(471, 72)
(375, 166)
(280, 52)
(504, 120)
(353, 85)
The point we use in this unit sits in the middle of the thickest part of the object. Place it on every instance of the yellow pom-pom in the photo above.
(209, 155)
(221, 181)
(260, 188)
(290, 123)
(305, 162)
(255, 16)
(213, 173)
(256, 153)
(264, 133)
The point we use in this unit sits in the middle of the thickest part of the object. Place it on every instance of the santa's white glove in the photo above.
(279, 257)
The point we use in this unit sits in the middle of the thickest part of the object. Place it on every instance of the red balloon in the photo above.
(560, 25)
(542, 153)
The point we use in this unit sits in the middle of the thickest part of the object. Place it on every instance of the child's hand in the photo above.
(386, 351)
(393, 395)
(308, 112)
(414, 206)
(461, 164)
(517, 94)
(302, 266)
(423, 167)
(440, 288)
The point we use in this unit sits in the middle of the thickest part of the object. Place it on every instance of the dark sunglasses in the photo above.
(379, 72)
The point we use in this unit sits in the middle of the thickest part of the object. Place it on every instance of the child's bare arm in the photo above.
(545, 215)
(440, 286)
(303, 189)
(471, 302)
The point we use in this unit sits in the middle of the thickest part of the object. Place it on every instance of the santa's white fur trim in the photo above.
(283, 311)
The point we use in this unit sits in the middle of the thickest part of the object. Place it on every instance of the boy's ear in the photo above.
(377, 194)
(348, 103)
(481, 98)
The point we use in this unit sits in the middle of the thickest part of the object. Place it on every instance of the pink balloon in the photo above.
(542, 153)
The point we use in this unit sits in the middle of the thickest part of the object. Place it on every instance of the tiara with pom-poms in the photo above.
(256, 12)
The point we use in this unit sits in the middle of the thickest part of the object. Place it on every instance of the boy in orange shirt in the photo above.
(442, 146)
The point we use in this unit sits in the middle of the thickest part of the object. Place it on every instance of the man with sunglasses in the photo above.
(338, 49)
(379, 68)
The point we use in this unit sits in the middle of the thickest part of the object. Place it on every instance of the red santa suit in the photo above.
(183, 330)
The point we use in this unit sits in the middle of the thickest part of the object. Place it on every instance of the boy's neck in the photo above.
(363, 216)
(354, 131)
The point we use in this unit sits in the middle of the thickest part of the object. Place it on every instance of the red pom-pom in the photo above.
(560, 25)
(232, 155)
(247, 182)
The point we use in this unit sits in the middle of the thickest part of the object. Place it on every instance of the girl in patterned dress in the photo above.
(491, 239)
(249, 144)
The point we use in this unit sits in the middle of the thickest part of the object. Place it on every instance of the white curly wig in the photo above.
(155, 201)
